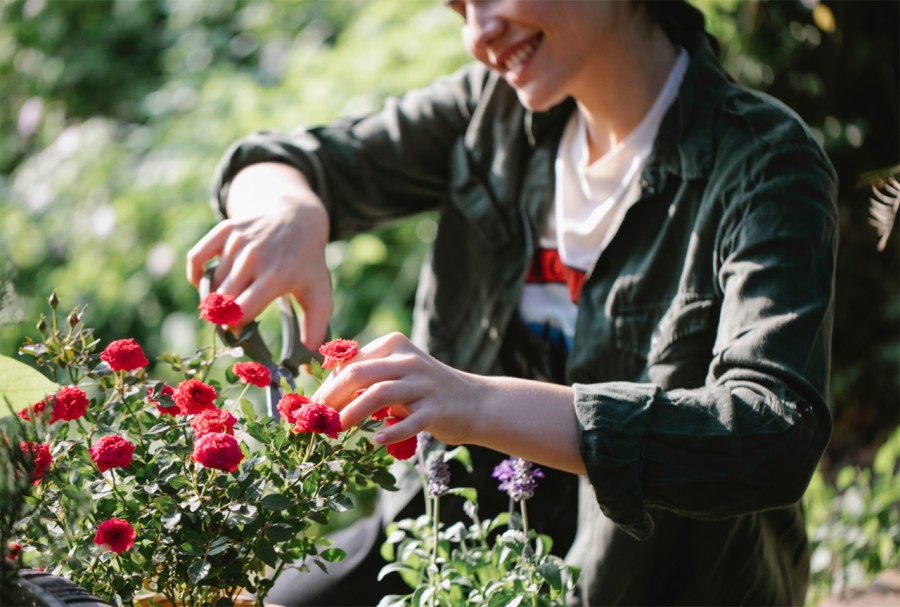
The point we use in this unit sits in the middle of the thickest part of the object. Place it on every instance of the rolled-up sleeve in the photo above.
(375, 168)
(750, 438)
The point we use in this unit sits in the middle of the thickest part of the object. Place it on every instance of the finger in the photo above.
(317, 306)
(254, 298)
(396, 394)
(205, 249)
(403, 429)
(363, 371)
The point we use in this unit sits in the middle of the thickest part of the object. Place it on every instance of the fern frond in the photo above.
(883, 208)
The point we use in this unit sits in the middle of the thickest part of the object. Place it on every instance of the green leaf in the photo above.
(21, 385)
(248, 410)
(341, 503)
(267, 553)
(333, 555)
(468, 493)
(460, 454)
(275, 502)
(199, 570)
(551, 573)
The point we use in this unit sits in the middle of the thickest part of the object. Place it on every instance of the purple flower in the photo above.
(437, 471)
(517, 477)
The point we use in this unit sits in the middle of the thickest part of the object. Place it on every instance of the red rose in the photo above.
(337, 351)
(220, 310)
(213, 420)
(290, 404)
(404, 449)
(169, 391)
(124, 355)
(115, 535)
(193, 396)
(317, 418)
(13, 550)
(70, 403)
(35, 410)
(41, 457)
(112, 451)
(217, 450)
(253, 373)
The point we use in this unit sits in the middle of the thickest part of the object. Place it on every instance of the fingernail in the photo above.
(379, 438)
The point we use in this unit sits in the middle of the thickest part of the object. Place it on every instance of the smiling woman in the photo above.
(631, 285)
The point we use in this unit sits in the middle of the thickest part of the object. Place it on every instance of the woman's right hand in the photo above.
(272, 244)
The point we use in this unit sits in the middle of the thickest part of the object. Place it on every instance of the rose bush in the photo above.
(178, 487)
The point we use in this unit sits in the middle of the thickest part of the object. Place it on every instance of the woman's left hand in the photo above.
(427, 394)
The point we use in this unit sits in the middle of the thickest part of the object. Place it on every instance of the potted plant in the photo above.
(175, 490)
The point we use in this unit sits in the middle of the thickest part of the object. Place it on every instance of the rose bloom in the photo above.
(14, 549)
(404, 449)
(35, 410)
(290, 404)
(42, 459)
(337, 351)
(317, 418)
(217, 450)
(213, 420)
(253, 373)
(193, 396)
(124, 355)
(169, 391)
(220, 310)
(112, 451)
(115, 535)
(70, 403)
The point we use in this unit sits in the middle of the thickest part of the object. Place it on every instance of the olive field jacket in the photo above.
(700, 359)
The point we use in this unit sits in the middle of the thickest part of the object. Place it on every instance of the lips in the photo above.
(517, 56)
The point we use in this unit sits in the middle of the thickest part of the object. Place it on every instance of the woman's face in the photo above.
(546, 49)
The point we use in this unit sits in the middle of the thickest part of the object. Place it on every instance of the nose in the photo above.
(483, 25)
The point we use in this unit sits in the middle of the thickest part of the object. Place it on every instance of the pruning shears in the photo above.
(293, 351)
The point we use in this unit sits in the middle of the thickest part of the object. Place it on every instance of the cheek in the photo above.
(468, 40)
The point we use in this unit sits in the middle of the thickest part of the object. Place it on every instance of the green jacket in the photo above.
(700, 360)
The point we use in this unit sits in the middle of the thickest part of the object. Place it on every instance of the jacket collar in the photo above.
(684, 143)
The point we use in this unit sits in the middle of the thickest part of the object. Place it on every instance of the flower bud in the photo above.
(42, 324)
(53, 300)
(73, 319)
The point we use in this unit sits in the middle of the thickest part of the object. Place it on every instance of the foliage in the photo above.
(854, 524)
(494, 562)
(203, 532)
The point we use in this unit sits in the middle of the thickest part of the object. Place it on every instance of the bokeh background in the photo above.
(115, 112)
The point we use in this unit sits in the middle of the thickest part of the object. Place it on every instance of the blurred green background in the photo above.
(114, 113)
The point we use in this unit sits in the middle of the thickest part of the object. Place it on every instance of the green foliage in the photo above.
(202, 532)
(854, 523)
(494, 562)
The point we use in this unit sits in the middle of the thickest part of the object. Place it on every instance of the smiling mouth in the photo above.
(521, 55)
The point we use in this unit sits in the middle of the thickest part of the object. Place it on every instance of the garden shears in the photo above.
(294, 352)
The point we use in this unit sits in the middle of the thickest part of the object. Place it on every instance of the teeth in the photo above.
(520, 56)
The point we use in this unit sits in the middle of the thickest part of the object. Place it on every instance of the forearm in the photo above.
(533, 420)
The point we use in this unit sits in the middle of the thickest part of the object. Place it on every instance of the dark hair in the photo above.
(681, 21)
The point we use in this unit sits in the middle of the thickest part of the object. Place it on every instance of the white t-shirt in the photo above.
(590, 202)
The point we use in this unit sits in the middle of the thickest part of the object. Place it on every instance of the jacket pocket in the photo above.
(669, 343)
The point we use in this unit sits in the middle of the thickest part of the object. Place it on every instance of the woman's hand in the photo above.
(272, 244)
(427, 394)
(530, 419)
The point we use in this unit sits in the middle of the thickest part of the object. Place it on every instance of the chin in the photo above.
(538, 103)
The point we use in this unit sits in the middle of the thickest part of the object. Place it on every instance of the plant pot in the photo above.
(33, 588)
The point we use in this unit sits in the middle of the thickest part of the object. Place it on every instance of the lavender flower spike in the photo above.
(438, 474)
(518, 478)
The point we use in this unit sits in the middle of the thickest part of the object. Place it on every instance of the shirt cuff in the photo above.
(613, 419)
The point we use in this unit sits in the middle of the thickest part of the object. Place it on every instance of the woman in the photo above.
(660, 240)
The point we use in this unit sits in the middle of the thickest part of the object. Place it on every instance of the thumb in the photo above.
(317, 307)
